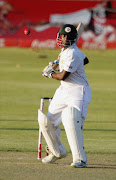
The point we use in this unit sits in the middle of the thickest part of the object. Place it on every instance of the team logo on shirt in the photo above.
(62, 62)
(67, 29)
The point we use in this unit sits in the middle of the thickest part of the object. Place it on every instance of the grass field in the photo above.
(22, 86)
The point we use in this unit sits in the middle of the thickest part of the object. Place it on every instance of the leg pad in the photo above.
(48, 131)
(72, 121)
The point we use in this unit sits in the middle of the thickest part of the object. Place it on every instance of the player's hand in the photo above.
(55, 65)
(47, 71)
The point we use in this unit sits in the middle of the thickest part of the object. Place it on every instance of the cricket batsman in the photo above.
(69, 105)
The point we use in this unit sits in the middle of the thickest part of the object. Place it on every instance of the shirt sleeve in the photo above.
(72, 62)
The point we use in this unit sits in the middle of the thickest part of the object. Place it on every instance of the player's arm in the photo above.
(49, 72)
(60, 76)
(64, 74)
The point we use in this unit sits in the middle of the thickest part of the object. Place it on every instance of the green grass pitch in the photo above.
(22, 86)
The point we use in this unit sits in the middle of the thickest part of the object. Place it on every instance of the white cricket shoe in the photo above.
(79, 164)
(51, 158)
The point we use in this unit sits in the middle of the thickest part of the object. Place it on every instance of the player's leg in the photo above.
(52, 137)
(54, 116)
(73, 127)
(48, 131)
(72, 121)
(56, 120)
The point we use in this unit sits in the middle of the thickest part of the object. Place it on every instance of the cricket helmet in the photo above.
(70, 31)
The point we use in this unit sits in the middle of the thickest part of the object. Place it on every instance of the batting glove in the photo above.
(55, 65)
(48, 71)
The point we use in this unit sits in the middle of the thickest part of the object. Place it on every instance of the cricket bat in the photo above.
(80, 29)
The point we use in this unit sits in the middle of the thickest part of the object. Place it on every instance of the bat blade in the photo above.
(80, 29)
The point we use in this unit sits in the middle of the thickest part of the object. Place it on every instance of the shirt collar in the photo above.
(74, 44)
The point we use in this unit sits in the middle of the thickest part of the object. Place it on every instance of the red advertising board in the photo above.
(45, 17)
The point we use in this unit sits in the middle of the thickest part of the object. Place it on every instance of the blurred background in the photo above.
(22, 59)
(45, 17)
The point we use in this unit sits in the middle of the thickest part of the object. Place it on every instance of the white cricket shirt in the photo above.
(72, 60)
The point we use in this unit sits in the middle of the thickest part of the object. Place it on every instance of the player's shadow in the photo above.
(90, 166)
(101, 166)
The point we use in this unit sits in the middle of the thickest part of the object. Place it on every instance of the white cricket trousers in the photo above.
(78, 97)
